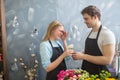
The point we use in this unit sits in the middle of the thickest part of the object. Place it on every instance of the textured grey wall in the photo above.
(27, 21)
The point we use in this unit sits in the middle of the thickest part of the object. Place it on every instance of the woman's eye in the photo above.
(62, 31)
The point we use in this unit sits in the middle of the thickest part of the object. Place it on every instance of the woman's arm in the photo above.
(55, 63)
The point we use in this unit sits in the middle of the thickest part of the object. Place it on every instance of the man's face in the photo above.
(88, 20)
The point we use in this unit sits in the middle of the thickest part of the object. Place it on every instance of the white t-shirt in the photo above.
(105, 37)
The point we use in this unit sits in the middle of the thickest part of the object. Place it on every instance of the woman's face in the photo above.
(57, 32)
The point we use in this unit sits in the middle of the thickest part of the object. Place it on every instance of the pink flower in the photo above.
(65, 74)
(61, 75)
(70, 73)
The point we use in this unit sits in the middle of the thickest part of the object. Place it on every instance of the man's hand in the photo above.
(77, 55)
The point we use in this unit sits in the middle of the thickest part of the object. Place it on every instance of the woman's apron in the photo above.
(91, 48)
(57, 51)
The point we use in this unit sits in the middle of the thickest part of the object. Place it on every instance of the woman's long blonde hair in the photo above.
(51, 27)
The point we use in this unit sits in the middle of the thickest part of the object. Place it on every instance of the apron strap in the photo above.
(99, 31)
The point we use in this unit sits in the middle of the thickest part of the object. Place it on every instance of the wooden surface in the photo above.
(3, 38)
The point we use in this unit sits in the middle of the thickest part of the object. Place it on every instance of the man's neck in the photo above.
(96, 27)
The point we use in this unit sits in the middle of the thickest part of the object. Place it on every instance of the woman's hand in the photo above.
(64, 36)
(67, 53)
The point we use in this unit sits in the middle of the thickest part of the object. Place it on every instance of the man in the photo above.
(99, 45)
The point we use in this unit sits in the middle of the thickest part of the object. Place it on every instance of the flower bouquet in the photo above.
(74, 74)
(103, 75)
(79, 74)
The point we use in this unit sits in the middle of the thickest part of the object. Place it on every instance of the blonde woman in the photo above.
(52, 52)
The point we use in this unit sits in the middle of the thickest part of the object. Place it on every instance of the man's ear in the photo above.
(95, 16)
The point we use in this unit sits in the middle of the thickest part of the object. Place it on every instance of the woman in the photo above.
(51, 51)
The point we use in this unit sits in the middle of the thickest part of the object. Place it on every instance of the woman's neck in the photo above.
(51, 38)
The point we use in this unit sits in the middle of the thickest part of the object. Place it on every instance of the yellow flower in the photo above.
(110, 79)
(97, 79)
(87, 79)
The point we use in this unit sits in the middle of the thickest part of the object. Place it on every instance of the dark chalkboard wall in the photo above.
(27, 21)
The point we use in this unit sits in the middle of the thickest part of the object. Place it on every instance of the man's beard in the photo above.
(88, 26)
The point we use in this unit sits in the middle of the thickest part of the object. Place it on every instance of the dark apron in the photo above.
(57, 51)
(91, 48)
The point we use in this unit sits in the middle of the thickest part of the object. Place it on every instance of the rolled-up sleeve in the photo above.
(45, 54)
(109, 38)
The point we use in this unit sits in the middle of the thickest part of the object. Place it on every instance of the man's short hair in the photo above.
(92, 11)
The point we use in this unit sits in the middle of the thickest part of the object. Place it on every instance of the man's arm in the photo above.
(108, 54)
